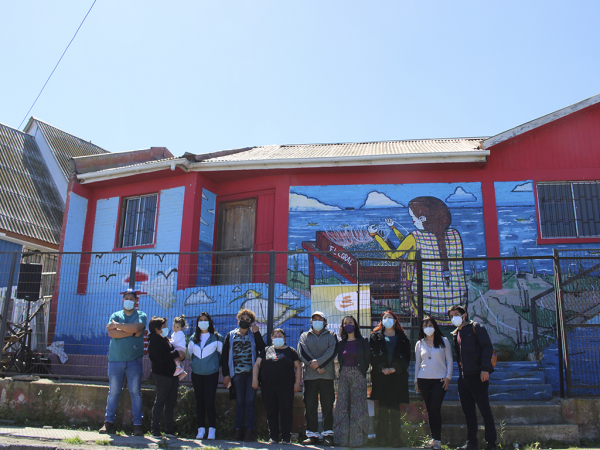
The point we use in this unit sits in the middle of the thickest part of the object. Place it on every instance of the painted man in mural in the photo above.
(125, 352)
(443, 282)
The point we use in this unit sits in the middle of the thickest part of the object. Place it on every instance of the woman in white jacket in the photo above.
(433, 372)
(205, 349)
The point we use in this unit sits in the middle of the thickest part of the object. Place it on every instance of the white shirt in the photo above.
(178, 341)
(431, 362)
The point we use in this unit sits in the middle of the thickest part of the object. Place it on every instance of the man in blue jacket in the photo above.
(474, 351)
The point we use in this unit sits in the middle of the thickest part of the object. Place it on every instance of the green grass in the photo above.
(74, 440)
(102, 442)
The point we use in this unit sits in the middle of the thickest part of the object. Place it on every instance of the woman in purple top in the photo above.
(351, 415)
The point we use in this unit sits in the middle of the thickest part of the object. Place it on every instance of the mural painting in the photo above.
(380, 228)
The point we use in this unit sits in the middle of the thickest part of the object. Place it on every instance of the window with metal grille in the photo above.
(569, 209)
(138, 221)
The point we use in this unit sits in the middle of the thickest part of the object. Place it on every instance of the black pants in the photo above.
(312, 389)
(166, 399)
(205, 391)
(472, 391)
(279, 404)
(389, 421)
(433, 394)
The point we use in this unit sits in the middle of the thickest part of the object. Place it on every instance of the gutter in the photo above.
(119, 172)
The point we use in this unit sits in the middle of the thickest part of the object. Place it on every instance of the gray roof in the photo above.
(30, 204)
(415, 147)
(65, 146)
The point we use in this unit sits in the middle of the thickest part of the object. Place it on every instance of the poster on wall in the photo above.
(339, 301)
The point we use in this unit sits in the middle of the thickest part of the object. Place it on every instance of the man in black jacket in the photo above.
(474, 353)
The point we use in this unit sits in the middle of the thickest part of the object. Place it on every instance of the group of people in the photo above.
(247, 364)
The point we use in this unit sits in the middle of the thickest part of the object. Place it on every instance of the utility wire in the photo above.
(61, 57)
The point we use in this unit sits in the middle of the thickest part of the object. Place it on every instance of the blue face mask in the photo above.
(317, 325)
(164, 332)
(278, 342)
(128, 304)
(388, 322)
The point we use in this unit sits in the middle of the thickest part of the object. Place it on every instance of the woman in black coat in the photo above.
(163, 356)
(390, 355)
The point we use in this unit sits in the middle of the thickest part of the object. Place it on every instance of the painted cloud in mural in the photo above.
(303, 203)
(198, 298)
(380, 200)
(460, 195)
(525, 187)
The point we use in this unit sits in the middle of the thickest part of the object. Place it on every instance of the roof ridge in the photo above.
(66, 132)
(377, 142)
(12, 128)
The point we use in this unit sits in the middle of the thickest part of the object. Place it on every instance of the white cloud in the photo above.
(525, 187)
(198, 298)
(378, 200)
(289, 295)
(460, 195)
(299, 202)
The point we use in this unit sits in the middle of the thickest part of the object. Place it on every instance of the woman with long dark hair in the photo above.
(205, 348)
(163, 356)
(433, 372)
(351, 414)
(390, 355)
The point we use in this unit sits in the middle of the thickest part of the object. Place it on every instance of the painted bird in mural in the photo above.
(260, 306)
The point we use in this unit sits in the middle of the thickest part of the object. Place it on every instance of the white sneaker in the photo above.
(437, 445)
(178, 371)
(211, 433)
(201, 432)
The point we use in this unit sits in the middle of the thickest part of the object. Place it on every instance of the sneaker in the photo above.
(171, 434)
(272, 441)
(182, 375)
(201, 432)
(288, 442)
(239, 434)
(211, 433)
(469, 446)
(178, 371)
(138, 430)
(106, 428)
(429, 444)
(249, 436)
(313, 440)
(328, 440)
(437, 445)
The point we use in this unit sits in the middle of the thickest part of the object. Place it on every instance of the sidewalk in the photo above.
(27, 438)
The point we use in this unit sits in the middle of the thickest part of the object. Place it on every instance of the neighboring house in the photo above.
(523, 192)
(34, 173)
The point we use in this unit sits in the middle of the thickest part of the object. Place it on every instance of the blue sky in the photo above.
(204, 76)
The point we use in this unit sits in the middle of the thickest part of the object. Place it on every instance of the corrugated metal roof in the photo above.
(416, 147)
(65, 146)
(30, 204)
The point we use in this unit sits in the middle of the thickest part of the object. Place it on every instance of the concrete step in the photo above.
(502, 392)
(510, 413)
(455, 435)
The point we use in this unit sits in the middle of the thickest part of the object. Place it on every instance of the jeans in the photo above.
(205, 391)
(245, 396)
(472, 391)
(166, 399)
(433, 394)
(117, 370)
(312, 389)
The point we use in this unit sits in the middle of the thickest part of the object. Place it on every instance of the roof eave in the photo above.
(121, 172)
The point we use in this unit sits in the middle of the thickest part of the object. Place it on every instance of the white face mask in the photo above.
(278, 342)
(203, 325)
(317, 325)
(388, 322)
(428, 331)
(164, 332)
(457, 321)
(128, 304)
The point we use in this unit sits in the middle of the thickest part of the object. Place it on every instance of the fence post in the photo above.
(7, 296)
(271, 308)
(535, 330)
(419, 286)
(132, 270)
(563, 348)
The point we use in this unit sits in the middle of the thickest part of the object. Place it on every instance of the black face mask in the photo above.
(244, 324)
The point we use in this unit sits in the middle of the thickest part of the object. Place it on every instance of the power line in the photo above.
(61, 57)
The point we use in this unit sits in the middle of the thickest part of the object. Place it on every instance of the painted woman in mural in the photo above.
(443, 282)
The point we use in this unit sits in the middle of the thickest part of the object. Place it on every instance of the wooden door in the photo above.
(235, 234)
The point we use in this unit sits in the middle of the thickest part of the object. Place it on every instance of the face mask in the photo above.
(388, 322)
(349, 328)
(164, 332)
(457, 321)
(428, 331)
(128, 304)
(244, 324)
(278, 342)
(317, 325)
(203, 325)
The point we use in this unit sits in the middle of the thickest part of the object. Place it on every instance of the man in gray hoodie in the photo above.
(317, 351)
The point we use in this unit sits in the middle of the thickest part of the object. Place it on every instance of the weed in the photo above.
(105, 442)
(74, 440)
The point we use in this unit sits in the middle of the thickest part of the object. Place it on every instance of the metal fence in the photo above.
(60, 329)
